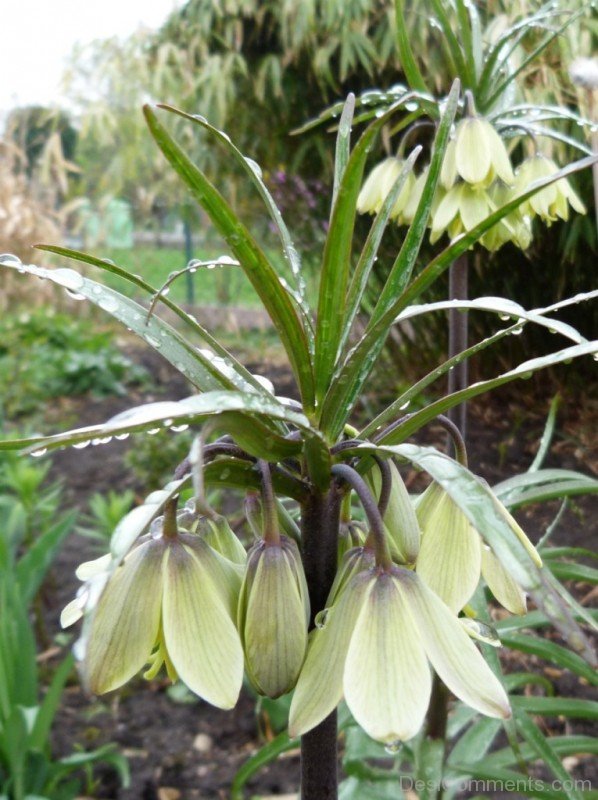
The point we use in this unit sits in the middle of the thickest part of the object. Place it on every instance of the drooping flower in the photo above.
(378, 185)
(378, 639)
(452, 555)
(170, 602)
(480, 155)
(552, 202)
(273, 616)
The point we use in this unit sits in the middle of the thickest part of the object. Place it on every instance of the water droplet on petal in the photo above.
(10, 260)
(392, 748)
(321, 618)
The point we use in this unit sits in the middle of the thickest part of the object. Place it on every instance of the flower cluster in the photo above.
(476, 179)
(188, 597)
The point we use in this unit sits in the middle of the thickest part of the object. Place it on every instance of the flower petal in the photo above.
(201, 639)
(472, 152)
(449, 559)
(508, 593)
(275, 628)
(320, 685)
(387, 679)
(452, 653)
(126, 620)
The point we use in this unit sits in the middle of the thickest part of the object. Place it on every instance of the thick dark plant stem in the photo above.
(457, 377)
(320, 515)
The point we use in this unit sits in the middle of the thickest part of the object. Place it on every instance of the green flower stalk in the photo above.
(375, 647)
(400, 522)
(170, 602)
(552, 202)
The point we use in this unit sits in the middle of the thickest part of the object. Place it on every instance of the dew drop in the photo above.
(156, 528)
(75, 295)
(38, 453)
(179, 428)
(321, 618)
(10, 260)
(81, 445)
(153, 431)
(108, 304)
(393, 747)
(121, 436)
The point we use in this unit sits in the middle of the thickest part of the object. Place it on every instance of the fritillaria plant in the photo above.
(178, 589)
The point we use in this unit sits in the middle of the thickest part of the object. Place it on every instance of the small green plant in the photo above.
(32, 530)
(105, 512)
(52, 355)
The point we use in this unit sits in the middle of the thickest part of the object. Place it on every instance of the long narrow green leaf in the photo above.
(525, 370)
(343, 144)
(460, 66)
(498, 49)
(368, 255)
(401, 270)
(33, 565)
(258, 269)
(402, 402)
(414, 77)
(550, 651)
(496, 90)
(50, 704)
(561, 745)
(495, 778)
(349, 380)
(170, 414)
(202, 371)
(572, 707)
(476, 741)
(265, 755)
(543, 749)
(336, 264)
(190, 321)
(542, 485)
(547, 435)
(254, 173)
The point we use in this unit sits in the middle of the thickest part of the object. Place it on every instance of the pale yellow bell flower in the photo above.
(379, 639)
(552, 202)
(171, 601)
(480, 153)
(273, 616)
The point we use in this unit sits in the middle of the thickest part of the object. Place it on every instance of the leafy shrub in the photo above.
(51, 355)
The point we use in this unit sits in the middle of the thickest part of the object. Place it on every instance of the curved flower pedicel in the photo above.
(375, 647)
(170, 602)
